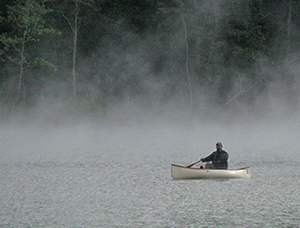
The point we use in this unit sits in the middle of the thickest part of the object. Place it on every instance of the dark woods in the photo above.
(90, 55)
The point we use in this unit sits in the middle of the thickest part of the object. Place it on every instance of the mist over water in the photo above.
(78, 163)
(118, 175)
(32, 142)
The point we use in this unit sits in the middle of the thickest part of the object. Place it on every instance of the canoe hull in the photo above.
(181, 172)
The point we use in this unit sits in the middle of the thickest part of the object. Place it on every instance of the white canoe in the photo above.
(181, 172)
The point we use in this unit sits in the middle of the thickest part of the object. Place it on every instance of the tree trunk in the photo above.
(75, 51)
(289, 28)
(21, 72)
(187, 62)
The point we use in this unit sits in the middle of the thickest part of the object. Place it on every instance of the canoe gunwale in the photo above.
(211, 169)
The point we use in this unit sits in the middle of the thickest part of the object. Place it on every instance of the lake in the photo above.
(94, 175)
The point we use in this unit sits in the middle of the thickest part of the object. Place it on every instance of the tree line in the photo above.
(101, 52)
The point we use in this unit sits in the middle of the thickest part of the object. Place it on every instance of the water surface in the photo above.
(92, 176)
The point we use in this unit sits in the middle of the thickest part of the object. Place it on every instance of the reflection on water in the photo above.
(127, 183)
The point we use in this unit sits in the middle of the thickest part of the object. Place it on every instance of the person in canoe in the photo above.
(218, 158)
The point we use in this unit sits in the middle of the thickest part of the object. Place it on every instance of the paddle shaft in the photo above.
(189, 166)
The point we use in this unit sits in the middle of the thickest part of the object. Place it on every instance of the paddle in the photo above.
(189, 166)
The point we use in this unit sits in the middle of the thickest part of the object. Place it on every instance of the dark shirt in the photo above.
(219, 159)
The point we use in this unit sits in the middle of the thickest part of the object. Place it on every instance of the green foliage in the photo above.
(27, 23)
(247, 35)
(122, 43)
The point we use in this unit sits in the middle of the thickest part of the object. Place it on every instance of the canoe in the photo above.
(181, 172)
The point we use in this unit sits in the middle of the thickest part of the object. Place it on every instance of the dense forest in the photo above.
(199, 56)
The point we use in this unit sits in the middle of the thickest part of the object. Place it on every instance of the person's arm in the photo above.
(224, 156)
(208, 158)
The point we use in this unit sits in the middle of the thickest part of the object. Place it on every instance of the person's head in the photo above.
(219, 146)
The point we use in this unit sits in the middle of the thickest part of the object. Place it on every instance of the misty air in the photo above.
(149, 113)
